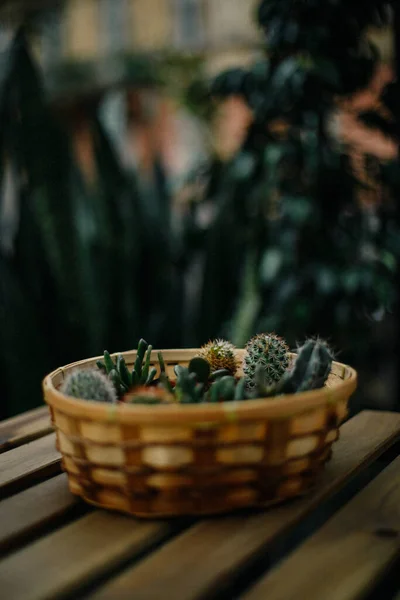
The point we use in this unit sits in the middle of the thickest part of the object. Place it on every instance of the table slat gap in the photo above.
(30, 513)
(24, 428)
(32, 462)
(71, 559)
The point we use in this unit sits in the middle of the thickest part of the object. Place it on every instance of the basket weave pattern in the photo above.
(203, 459)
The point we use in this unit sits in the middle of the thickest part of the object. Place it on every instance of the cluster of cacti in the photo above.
(220, 354)
(89, 384)
(310, 371)
(265, 367)
(196, 384)
(271, 352)
(119, 374)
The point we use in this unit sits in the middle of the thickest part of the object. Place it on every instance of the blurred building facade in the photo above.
(223, 31)
(220, 33)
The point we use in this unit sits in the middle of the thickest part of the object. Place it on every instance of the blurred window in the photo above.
(189, 24)
(115, 20)
(52, 38)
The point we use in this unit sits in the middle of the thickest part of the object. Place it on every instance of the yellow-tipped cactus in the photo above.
(220, 354)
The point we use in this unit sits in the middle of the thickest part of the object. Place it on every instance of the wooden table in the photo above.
(340, 543)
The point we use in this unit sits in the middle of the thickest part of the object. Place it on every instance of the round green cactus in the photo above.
(271, 352)
(89, 384)
(220, 355)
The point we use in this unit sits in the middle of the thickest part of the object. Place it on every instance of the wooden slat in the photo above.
(206, 558)
(73, 556)
(346, 558)
(35, 509)
(24, 428)
(31, 462)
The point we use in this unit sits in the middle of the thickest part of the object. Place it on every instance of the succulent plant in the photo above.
(89, 384)
(220, 354)
(141, 370)
(240, 390)
(201, 368)
(119, 374)
(190, 382)
(226, 389)
(310, 371)
(223, 390)
(269, 352)
(265, 368)
(115, 372)
(188, 389)
(149, 396)
(218, 374)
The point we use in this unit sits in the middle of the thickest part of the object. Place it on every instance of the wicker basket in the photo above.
(157, 461)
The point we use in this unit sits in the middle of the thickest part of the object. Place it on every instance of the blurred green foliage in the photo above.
(291, 248)
(88, 268)
(275, 239)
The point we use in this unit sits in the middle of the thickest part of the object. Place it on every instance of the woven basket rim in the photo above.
(251, 409)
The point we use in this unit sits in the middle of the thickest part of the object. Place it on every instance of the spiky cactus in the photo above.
(89, 384)
(310, 371)
(270, 352)
(220, 354)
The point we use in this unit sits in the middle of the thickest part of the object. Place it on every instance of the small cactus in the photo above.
(310, 371)
(268, 351)
(220, 355)
(89, 385)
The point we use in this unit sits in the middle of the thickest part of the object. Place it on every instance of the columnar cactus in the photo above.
(220, 354)
(268, 351)
(89, 384)
(310, 371)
